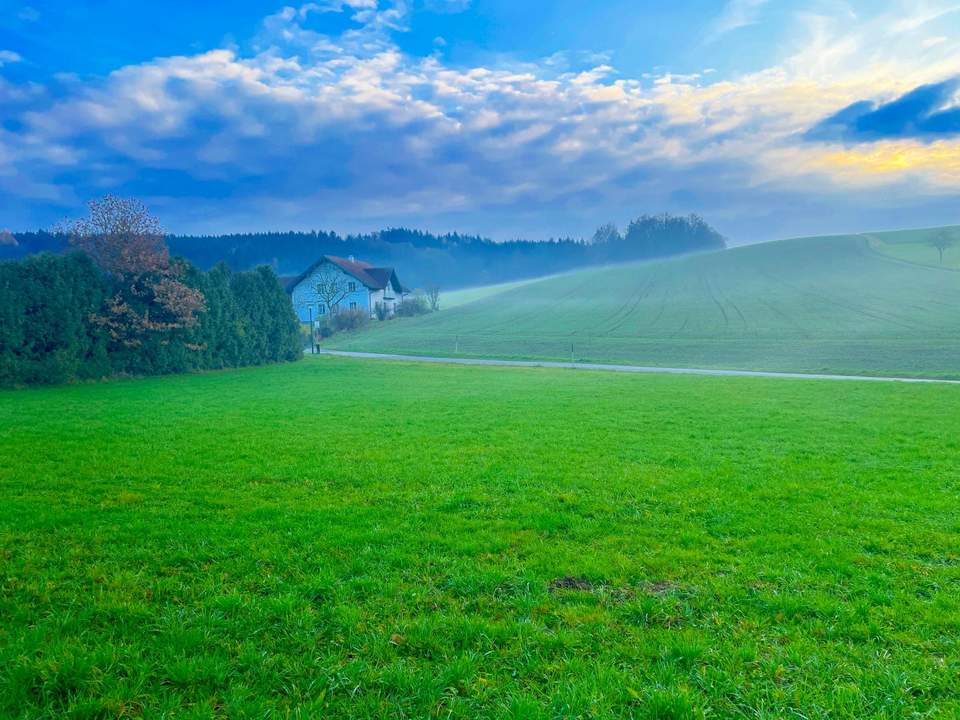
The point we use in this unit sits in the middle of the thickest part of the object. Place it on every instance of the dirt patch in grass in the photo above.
(661, 587)
(571, 583)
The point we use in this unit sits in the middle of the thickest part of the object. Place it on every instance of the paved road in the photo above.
(628, 368)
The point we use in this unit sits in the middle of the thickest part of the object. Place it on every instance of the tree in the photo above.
(331, 286)
(7, 238)
(943, 240)
(45, 334)
(605, 234)
(433, 297)
(149, 296)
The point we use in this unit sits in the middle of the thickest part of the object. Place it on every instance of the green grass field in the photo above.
(835, 304)
(456, 298)
(914, 246)
(339, 538)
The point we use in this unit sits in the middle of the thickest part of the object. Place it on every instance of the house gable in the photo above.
(368, 286)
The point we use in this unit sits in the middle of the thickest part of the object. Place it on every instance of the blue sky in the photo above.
(771, 118)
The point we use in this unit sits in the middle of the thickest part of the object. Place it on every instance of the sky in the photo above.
(508, 118)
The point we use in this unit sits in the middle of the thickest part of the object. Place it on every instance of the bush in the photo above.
(381, 311)
(350, 319)
(324, 330)
(416, 305)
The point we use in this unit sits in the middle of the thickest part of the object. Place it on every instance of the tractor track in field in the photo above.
(804, 333)
(736, 309)
(641, 369)
(518, 319)
(641, 294)
(836, 301)
(662, 309)
(706, 284)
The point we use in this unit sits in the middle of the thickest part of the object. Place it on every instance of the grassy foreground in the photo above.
(341, 538)
(834, 304)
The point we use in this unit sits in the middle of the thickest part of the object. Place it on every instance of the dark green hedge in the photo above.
(46, 333)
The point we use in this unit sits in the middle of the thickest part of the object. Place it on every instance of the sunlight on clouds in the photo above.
(939, 162)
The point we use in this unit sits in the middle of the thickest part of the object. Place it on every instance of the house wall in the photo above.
(388, 297)
(305, 298)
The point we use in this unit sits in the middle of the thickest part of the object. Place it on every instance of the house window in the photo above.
(321, 309)
(353, 306)
(352, 287)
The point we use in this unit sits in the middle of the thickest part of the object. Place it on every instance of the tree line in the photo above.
(422, 258)
(117, 303)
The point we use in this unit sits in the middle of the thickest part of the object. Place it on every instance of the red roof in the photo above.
(372, 277)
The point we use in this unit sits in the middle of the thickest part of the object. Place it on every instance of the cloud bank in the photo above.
(346, 131)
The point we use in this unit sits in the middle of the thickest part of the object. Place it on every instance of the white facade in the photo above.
(308, 305)
(387, 296)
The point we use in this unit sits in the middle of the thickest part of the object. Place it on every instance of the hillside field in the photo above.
(843, 304)
(341, 538)
(914, 246)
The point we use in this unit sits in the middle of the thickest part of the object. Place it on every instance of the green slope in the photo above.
(915, 246)
(832, 304)
(463, 296)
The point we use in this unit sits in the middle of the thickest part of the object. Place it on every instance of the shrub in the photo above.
(324, 330)
(411, 306)
(350, 319)
(381, 311)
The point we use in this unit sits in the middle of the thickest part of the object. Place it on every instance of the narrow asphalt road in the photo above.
(627, 368)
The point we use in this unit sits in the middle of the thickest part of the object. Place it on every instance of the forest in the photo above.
(422, 258)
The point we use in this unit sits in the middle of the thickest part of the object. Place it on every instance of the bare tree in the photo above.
(433, 297)
(331, 286)
(121, 236)
(7, 238)
(128, 244)
(943, 240)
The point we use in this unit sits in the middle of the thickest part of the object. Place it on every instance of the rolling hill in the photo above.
(864, 304)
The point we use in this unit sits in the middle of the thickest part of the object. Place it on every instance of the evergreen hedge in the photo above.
(47, 335)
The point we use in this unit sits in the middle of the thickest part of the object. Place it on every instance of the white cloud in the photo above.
(317, 128)
(736, 14)
(8, 57)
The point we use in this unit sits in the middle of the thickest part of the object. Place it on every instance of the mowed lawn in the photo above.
(831, 304)
(344, 538)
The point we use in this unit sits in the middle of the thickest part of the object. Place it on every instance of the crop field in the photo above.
(472, 294)
(342, 538)
(832, 304)
(915, 246)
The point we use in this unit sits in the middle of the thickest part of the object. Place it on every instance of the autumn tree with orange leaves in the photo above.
(127, 243)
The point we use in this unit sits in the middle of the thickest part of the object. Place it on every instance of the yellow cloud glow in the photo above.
(939, 161)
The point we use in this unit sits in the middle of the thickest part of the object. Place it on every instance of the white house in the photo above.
(365, 287)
